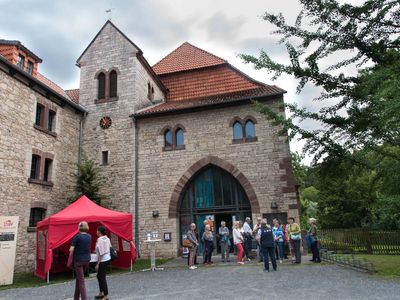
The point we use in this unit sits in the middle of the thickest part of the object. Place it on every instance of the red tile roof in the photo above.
(51, 85)
(239, 96)
(73, 95)
(205, 82)
(186, 57)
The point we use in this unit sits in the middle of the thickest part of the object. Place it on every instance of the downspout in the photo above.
(136, 178)
(80, 138)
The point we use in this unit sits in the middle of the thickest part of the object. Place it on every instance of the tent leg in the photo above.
(131, 266)
(48, 277)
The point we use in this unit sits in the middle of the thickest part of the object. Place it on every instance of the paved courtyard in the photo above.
(305, 281)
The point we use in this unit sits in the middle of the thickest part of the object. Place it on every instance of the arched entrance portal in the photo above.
(212, 194)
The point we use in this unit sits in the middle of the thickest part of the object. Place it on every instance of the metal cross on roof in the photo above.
(109, 11)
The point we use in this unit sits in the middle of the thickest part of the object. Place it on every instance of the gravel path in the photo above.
(230, 282)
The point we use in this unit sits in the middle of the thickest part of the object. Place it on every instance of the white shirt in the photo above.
(237, 236)
(103, 245)
(247, 228)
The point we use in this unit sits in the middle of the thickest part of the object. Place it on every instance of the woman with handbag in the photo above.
(80, 250)
(313, 240)
(191, 237)
(103, 246)
(294, 232)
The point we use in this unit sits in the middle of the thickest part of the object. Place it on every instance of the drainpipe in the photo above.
(136, 179)
(80, 138)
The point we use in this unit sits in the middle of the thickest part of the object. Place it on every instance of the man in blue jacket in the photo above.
(265, 237)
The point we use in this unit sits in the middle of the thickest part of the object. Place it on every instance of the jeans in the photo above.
(315, 252)
(239, 252)
(80, 289)
(101, 277)
(224, 251)
(296, 249)
(247, 247)
(268, 252)
(280, 248)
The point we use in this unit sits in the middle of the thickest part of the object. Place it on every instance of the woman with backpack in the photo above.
(103, 246)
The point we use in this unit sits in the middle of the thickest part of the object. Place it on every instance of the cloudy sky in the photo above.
(58, 31)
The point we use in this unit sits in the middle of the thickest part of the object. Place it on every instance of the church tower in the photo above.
(115, 81)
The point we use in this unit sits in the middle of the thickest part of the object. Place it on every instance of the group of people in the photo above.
(274, 241)
(80, 252)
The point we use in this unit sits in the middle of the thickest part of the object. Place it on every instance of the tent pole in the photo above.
(48, 277)
(131, 266)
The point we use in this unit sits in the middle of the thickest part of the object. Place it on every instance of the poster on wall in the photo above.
(8, 245)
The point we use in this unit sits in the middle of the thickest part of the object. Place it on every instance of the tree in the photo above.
(366, 110)
(89, 181)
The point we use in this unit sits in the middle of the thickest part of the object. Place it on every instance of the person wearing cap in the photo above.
(266, 238)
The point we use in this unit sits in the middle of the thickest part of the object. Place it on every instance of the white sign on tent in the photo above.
(8, 245)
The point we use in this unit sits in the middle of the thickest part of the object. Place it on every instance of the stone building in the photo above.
(178, 142)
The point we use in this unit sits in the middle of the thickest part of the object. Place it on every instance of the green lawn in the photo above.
(29, 280)
(385, 265)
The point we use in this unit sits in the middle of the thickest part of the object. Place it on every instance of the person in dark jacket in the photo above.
(80, 249)
(265, 237)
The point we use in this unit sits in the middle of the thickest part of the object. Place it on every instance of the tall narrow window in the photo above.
(250, 131)
(113, 84)
(52, 121)
(39, 114)
(168, 139)
(37, 214)
(21, 61)
(35, 167)
(101, 86)
(47, 169)
(30, 67)
(180, 139)
(237, 131)
(104, 158)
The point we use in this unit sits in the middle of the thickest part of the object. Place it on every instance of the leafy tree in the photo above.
(366, 110)
(89, 181)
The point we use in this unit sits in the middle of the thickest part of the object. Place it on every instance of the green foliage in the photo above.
(366, 110)
(89, 182)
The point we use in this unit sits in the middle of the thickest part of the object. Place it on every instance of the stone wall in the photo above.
(18, 140)
(112, 50)
(264, 163)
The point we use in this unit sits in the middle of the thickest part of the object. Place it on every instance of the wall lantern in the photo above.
(274, 205)
(155, 213)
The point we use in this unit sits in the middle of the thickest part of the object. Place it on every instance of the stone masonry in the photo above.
(265, 164)
(18, 141)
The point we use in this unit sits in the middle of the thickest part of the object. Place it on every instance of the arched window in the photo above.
(250, 130)
(168, 139)
(113, 84)
(180, 139)
(101, 86)
(237, 131)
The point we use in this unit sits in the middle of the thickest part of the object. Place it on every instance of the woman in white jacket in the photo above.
(238, 241)
(103, 246)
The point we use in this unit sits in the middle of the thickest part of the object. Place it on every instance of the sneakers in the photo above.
(192, 267)
(280, 261)
(240, 263)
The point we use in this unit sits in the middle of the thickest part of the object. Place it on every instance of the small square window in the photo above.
(21, 61)
(39, 115)
(35, 167)
(47, 169)
(37, 215)
(52, 119)
(104, 158)
(30, 67)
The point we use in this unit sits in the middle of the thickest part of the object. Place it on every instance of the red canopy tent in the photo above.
(54, 234)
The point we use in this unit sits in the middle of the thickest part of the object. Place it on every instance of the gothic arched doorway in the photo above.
(212, 194)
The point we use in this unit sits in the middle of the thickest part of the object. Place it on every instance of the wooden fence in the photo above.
(360, 241)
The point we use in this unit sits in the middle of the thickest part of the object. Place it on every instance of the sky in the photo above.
(58, 32)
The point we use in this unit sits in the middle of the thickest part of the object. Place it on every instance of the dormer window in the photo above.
(21, 61)
(30, 67)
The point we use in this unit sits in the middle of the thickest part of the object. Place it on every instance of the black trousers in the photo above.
(296, 250)
(247, 247)
(268, 253)
(209, 248)
(101, 277)
(315, 252)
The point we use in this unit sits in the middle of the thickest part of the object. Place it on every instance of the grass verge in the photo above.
(387, 266)
(25, 280)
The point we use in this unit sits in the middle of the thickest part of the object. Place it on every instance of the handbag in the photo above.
(310, 239)
(70, 261)
(187, 244)
(113, 254)
(295, 236)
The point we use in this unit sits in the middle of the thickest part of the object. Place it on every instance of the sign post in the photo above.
(8, 246)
